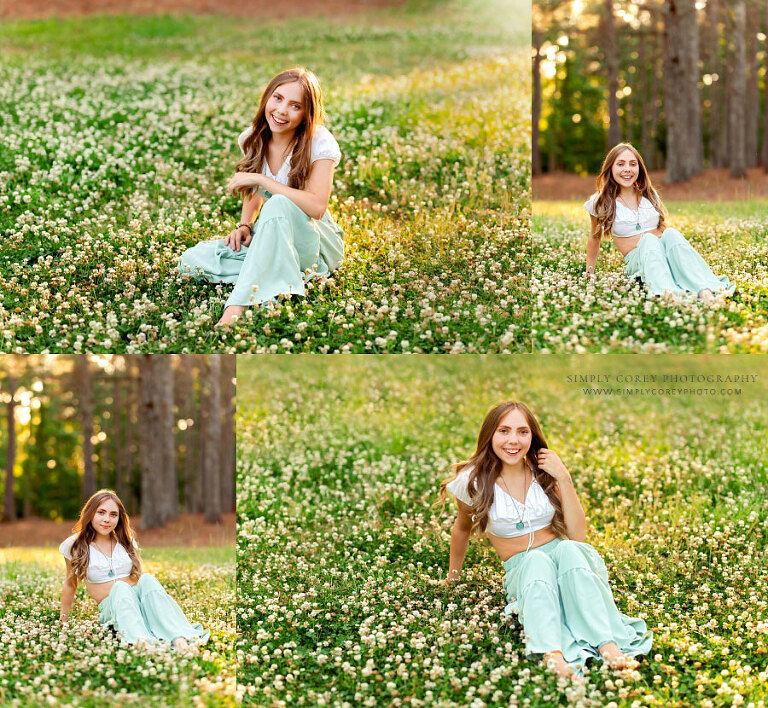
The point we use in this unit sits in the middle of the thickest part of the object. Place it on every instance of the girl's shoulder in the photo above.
(324, 146)
(459, 486)
(589, 205)
(243, 137)
(66, 547)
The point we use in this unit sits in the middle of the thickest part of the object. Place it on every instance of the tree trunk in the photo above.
(119, 432)
(211, 433)
(612, 73)
(169, 490)
(151, 452)
(228, 433)
(752, 114)
(536, 104)
(85, 404)
(681, 96)
(737, 89)
(765, 98)
(9, 498)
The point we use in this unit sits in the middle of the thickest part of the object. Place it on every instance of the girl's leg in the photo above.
(162, 614)
(286, 245)
(539, 603)
(213, 261)
(649, 262)
(121, 609)
(689, 269)
(589, 610)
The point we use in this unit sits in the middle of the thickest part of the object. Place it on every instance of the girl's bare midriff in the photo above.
(508, 547)
(629, 243)
(99, 591)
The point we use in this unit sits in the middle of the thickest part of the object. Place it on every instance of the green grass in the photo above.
(340, 549)
(82, 664)
(610, 313)
(120, 138)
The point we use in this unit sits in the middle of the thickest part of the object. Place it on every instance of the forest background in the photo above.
(683, 80)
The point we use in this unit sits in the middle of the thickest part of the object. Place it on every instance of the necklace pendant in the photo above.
(111, 573)
(637, 228)
(520, 525)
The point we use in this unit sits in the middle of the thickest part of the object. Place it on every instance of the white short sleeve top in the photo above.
(506, 513)
(324, 147)
(628, 222)
(99, 565)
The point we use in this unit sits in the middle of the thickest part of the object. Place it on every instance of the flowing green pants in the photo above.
(671, 264)
(147, 611)
(288, 247)
(561, 594)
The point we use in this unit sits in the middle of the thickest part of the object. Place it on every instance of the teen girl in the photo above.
(628, 207)
(520, 494)
(286, 177)
(102, 552)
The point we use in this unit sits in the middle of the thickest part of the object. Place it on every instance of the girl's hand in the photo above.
(243, 182)
(241, 236)
(550, 462)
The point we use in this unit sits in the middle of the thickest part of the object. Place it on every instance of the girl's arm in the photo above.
(241, 235)
(460, 534)
(312, 200)
(575, 520)
(68, 593)
(593, 244)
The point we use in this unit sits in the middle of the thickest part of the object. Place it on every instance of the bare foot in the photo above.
(555, 662)
(144, 645)
(181, 645)
(615, 658)
(231, 313)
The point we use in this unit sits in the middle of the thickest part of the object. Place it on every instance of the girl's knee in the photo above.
(275, 205)
(672, 236)
(147, 581)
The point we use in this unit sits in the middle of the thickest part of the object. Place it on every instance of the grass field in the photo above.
(340, 549)
(610, 313)
(120, 136)
(43, 663)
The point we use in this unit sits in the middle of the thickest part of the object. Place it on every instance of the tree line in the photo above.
(683, 80)
(157, 428)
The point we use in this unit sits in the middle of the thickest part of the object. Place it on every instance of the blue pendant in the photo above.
(520, 525)
(268, 194)
(637, 228)
(111, 573)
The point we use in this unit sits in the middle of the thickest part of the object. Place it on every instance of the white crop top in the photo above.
(505, 512)
(324, 147)
(99, 564)
(626, 221)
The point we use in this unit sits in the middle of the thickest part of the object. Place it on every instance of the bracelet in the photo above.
(454, 571)
(247, 226)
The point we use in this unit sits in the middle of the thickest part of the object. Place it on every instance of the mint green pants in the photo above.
(288, 248)
(147, 611)
(671, 264)
(561, 595)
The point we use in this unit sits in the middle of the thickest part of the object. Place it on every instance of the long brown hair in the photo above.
(122, 533)
(256, 144)
(608, 189)
(486, 466)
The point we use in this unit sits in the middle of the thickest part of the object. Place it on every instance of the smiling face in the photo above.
(512, 438)
(625, 168)
(106, 517)
(285, 108)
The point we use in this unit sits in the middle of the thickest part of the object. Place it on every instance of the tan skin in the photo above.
(625, 171)
(104, 522)
(285, 114)
(511, 443)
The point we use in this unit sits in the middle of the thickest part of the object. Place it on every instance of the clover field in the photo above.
(81, 663)
(119, 137)
(341, 549)
(611, 313)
